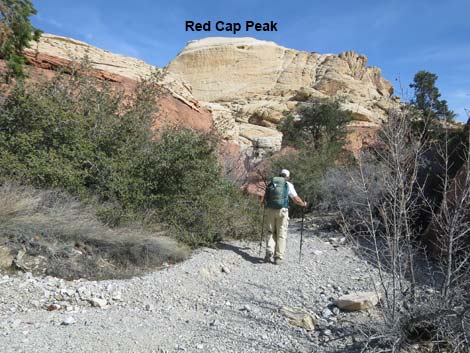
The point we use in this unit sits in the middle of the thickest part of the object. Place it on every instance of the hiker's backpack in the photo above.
(277, 193)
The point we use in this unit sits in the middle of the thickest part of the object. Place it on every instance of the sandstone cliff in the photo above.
(240, 86)
(54, 51)
(177, 106)
(254, 82)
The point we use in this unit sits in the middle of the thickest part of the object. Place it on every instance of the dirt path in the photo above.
(222, 300)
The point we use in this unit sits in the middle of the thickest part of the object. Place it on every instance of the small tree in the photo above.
(431, 109)
(16, 32)
(318, 133)
(316, 125)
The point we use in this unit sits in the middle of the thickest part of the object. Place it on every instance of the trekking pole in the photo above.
(302, 233)
(262, 230)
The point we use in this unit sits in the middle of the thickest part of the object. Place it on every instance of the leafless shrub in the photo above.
(449, 232)
(340, 190)
(382, 225)
(60, 228)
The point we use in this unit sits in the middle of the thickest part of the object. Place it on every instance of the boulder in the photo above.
(21, 261)
(261, 137)
(68, 321)
(298, 317)
(357, 301)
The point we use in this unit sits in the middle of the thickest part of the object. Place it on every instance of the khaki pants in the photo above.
(276, 225)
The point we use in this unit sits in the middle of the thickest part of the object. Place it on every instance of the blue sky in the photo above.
(399, 36)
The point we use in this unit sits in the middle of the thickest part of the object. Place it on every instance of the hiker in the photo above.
(276, 202)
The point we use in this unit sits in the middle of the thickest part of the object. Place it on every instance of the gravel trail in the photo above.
(220, 300)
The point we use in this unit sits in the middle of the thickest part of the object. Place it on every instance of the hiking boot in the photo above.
(278, 261)
(268, 258)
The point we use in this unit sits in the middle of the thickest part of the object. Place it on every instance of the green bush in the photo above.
(307, 169)
(73, 133)
(223, 212)
(96, 141)
(316, 125)
(16, 32)
(317, 133)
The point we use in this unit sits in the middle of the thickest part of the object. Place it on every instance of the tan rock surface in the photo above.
(261, 138)
(239, 83)
(357, 301)
(361, 134)
(247, 70)
(224, 121)
(53, 50)
(71, 49)
(298, 317)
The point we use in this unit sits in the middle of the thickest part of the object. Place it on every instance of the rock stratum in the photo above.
(240, 87)
(177, 105)
(249, 81)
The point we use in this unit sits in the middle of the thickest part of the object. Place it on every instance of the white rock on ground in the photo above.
(357, 301)
(98, 302)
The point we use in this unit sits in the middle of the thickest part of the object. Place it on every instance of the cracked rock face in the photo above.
(221, 69)
(259, 80)
(241, 86)
(227, 69)
(56, 48)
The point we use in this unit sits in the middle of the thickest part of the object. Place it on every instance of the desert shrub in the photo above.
(73, 242)
(74, 132)
(96, 141)
(307, 169)
(223, 212)
(340, 190)
(318, 135)
(186, 186)
(424, 298)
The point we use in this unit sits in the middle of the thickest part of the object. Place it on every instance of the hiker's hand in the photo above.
(305, 204)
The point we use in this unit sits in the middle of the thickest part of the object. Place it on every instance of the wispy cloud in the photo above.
(460, 94)
(95, 30)
(441, 53)
(49, 21)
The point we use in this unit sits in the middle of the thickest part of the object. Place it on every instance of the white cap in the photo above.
(285, 172)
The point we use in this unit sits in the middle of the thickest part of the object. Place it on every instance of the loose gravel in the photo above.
(219, 300)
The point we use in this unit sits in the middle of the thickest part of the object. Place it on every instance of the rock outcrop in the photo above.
(177, 106)
(52, 51)
(257, 81)
(241, 87)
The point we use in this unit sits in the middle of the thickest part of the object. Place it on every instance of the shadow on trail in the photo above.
(238, 250)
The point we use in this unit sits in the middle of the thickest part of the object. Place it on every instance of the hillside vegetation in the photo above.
(78, 135)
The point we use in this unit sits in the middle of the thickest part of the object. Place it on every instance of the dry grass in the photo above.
(55, 226)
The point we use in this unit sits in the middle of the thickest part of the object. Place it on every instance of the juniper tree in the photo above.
(16, 33)
(432, 110)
